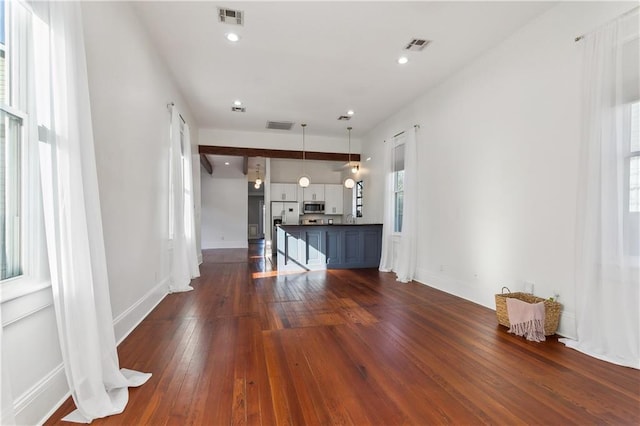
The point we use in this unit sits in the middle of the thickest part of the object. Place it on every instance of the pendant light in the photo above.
(304, 180)
(258, 180)
(349, 182)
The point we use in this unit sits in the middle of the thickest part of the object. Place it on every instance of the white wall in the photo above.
(497, 157)
(224, 209)
(32, 355)
(129, 91)
(288, 171)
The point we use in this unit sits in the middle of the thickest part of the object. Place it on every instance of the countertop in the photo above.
(336, 224)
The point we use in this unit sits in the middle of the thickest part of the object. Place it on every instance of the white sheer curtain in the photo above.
(72, 218)
(189, 206)
(407, 251)
(404, 261)
(607, 270)
(184, 259)
(386, 257)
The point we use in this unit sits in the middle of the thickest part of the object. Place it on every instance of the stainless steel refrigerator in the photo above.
(285, 213)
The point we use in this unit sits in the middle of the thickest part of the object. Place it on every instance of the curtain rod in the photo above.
(415, 126)
(170, 105)
(628, 12)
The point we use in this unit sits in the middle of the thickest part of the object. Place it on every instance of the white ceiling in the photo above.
(312, 61)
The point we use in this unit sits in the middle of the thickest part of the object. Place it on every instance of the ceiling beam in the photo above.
(275, 153)
(206, 164)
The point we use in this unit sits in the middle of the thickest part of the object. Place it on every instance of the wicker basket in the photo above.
(551, 309)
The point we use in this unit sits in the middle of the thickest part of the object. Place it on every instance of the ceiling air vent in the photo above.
(279, 125)
(238, 109)
(417, 44)
(230, 16)
(344, 118)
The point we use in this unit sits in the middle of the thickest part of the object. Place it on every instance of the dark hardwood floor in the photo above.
(249, 346)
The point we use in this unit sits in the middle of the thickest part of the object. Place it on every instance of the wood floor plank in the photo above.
(286, 404)
(251, 347)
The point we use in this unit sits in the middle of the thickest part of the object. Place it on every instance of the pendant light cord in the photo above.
(349, 129)
(303, 150)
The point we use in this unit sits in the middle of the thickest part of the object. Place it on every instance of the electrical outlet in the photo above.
(528, 287)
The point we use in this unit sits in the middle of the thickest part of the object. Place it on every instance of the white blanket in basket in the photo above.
(526, 319)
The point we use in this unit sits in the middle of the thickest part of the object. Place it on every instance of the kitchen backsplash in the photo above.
(321, 217)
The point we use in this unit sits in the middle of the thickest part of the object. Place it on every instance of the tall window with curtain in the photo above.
(184, 258)
(607, 234)
(398, 185)
(399, 239)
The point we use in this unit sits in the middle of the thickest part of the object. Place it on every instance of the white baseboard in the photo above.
(124, 323)
(477, 295)
(567, 327)
(51, 391)
(37, 404)
(452, 286)
(226, 244)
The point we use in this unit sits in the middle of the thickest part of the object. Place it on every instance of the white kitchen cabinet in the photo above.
(284, 192)
(333, 199)
(313, 192)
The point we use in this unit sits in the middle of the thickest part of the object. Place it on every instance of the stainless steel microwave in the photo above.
(313, 207)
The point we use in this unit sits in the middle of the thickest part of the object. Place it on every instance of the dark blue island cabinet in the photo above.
(317, 247)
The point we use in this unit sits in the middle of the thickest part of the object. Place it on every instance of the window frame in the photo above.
(629, 153)
(398, 140)
(34, 262)
(631, 218)
(23, 175)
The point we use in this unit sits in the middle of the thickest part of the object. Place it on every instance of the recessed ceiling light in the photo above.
(403, 60)
(233, 37)
(237, 103)
(350, 112)
(368, 159)
(226, 163)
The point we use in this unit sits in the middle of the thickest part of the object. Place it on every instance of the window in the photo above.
(398, 185)
(634, 159)
(176, 176)
(10, 195)
(23, 259)
(632, 219)
(12, 142)
(359, 190)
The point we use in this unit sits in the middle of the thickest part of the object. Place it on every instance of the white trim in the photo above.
(228, 244)
(454, 287)
(48, 394)
(19, 308)
(567, 327)
(128, 320)
(478, 295)
(41, 396)
(21, 286)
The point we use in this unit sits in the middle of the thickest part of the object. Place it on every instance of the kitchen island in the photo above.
(318, 247)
